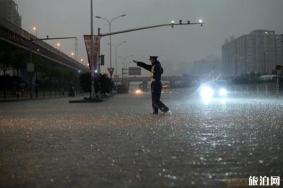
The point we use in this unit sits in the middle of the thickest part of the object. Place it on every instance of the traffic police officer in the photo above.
(156, 86)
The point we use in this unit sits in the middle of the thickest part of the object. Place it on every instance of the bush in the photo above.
(103, 83)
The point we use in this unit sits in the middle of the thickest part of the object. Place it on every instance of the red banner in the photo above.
(92, 43)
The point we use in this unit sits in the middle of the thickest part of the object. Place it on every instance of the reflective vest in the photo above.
(152, 73)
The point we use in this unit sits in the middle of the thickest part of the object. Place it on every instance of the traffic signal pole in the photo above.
(92, 66)
(150, 27)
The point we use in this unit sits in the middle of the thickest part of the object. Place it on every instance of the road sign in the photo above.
(111, 71)
(116, 76)
(92, 43)
(134, 71)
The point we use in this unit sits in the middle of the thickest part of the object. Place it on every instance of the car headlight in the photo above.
(223, 92)
(206, 92)
(138, 92)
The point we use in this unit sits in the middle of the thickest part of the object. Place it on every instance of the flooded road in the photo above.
(119, 143)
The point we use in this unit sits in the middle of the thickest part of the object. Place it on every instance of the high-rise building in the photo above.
(9, 12)
(279, 48)
(257, 52)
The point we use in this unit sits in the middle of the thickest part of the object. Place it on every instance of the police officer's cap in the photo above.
(153, 57)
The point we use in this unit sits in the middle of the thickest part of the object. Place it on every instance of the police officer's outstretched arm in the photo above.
(143, 65)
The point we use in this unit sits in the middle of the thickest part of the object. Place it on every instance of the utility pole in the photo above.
(92, 71)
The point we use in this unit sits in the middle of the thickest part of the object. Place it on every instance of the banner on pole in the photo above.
(92, 44)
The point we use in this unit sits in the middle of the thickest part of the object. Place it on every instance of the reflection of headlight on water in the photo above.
(223, 92)
(206, 92)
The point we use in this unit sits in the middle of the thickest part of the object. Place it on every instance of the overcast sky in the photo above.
(177, 48)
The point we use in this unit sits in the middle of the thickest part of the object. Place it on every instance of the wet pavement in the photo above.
(118, 143)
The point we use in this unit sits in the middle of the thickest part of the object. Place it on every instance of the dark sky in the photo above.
(177, 48)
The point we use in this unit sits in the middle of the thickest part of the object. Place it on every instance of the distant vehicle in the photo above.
(142, 89)
(215, 88)
(271, 77)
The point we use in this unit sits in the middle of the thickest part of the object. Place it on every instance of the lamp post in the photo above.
(116, 54)
(92, 91)
(110, 30)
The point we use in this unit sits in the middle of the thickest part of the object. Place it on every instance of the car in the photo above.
(215, 88)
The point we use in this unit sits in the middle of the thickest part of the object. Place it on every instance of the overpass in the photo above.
(22, 39)
(36, 68)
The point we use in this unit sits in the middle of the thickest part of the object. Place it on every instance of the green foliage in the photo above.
(85, 82)
(104, 84)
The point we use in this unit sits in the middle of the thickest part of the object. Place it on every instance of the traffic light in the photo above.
(102, 58)
(172, 24)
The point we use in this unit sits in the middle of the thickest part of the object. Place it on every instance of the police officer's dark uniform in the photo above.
(156, 85)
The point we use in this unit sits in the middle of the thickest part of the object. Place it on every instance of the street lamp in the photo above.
(116, 54)
(201, 22)
(58, 45)
(110, 38)
(72, 54)
(34, 29)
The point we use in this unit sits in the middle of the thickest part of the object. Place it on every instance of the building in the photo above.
(9, 12)
(279, 48)
(257, 52)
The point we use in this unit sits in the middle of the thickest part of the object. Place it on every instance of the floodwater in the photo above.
(119, 143)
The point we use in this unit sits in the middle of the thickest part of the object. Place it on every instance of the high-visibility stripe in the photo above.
(152, 73)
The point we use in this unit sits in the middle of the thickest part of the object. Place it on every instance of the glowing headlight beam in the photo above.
(138, 92)
(223, 92)
(206, 92)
